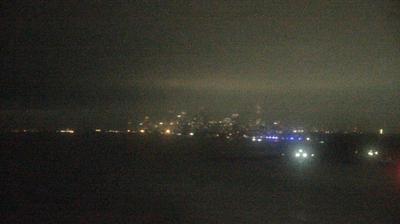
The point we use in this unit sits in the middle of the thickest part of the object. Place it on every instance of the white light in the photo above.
(308, 139)
(376, 152)
(142, 131)
(370, 153)
(191, 133)
(300, 150)
(259, 140)
(167, 131)
(161, 123)
(297, 154)
(381, 131)
(304, 155)
(253, 139)
(97, 130)
(312, 155)
(69, 131)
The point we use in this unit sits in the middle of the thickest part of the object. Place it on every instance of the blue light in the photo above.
(291, 138)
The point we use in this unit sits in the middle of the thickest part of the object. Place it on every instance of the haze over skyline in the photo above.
(324, 63)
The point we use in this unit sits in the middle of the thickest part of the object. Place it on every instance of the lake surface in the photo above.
(131, 179)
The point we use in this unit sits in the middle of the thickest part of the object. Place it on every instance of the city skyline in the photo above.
(202, 120)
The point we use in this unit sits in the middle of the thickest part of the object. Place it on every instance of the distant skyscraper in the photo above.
(258, 115)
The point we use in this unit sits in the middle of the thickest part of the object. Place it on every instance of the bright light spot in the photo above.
(381, 131)
(179, 115)
(300, 150)
(161, 123)
(191, 133)
(179, 134)
(259, 140)
(304, 155)
(97, 130)
(308, 139)
(129, 131)
(376, 153)
(322, 142)
(312, 155)
(370, 153)
(69, 131)
(254, 139)
(142, 131)
(297, 154)
(167, 131)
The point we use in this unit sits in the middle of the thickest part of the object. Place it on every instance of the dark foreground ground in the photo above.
(128, 179)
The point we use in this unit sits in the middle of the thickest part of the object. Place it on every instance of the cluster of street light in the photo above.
(278, 138)
(303, 154)
(372, 153)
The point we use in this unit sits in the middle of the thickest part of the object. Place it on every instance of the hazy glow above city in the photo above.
(324, 63)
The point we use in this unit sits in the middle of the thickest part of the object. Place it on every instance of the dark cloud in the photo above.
(317, 62)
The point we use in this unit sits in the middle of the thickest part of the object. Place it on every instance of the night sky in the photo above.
(317, 63)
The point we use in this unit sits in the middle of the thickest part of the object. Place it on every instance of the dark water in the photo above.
(130, 179)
